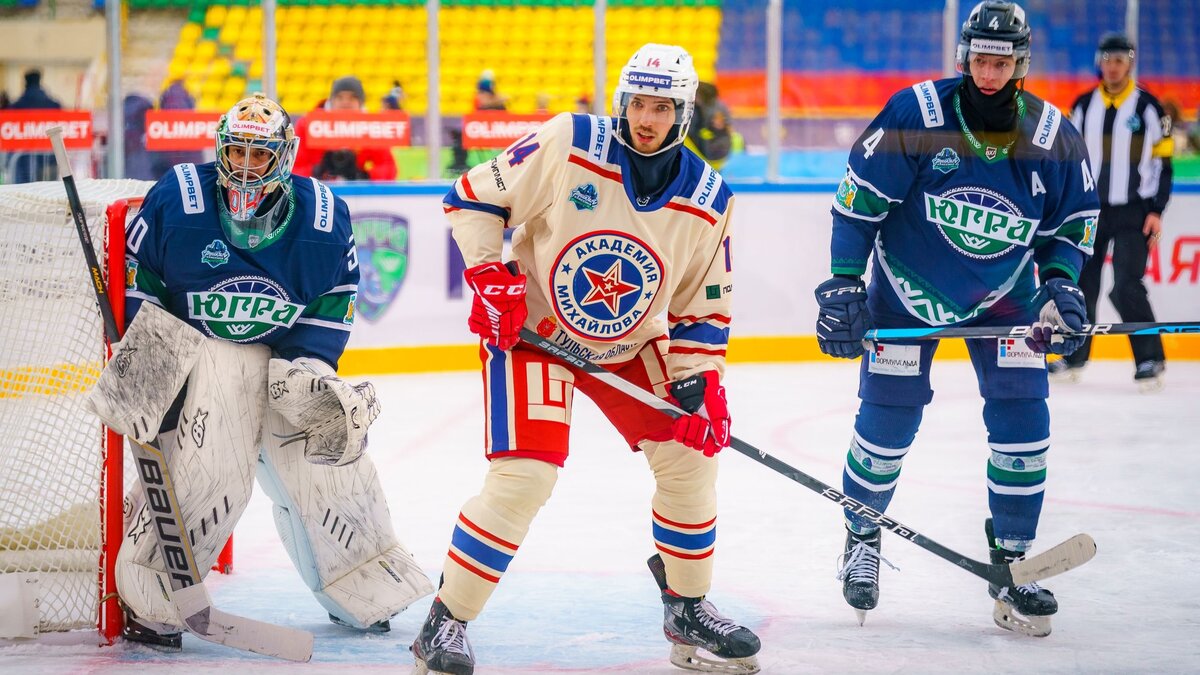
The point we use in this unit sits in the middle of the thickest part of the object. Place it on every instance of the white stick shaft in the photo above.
(60, 151)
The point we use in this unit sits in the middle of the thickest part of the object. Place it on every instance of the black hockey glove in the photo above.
(1062, 309)
(842, 317)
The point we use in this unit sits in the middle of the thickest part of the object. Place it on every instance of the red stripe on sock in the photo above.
(473, 569)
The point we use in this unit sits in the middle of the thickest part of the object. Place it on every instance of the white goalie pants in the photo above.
(334, 521)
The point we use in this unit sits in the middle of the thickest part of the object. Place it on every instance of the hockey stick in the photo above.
(1058, 559)
(935, 333)
(187, 593)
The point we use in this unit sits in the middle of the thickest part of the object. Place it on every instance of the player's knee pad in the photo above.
(1019, 441)
(211, 457)
(335, 525)
(490, 529)
(684, 514)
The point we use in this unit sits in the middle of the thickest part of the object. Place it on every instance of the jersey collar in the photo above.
(1111, 101)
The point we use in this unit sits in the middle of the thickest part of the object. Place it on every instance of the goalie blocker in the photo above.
(357, 569)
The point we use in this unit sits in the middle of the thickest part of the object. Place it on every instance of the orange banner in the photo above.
(26, 129)
(498, 129)
(180, 129)
(350, 129)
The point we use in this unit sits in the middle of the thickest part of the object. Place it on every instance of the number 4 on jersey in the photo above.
(521, 149)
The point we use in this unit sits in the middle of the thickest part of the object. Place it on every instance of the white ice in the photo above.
(578, 597)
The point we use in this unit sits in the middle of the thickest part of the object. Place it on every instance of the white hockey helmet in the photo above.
(659, 70)
(256, 122)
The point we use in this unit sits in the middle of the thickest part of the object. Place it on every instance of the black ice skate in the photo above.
(691, 624)
(1148, 376)
(442, 646)
(1024, 609)
(858, 570)
(153, 635)
(384, 626)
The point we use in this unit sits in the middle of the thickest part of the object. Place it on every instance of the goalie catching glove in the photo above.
(498, 310)
(332, 416)
(707, 427)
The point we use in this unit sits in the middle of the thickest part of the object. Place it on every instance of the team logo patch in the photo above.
(382, 242)
(901, 360)
(215, 254)
(979, 223)
(946, 161)
(1013, 353)
(1089, 233)
(584, 197)
(350, 309)
(131, 269)
(1134, 124)
(846, 192)
(243, 309)
(603, 284)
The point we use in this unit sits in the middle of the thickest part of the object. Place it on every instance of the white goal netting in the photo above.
(51, 449)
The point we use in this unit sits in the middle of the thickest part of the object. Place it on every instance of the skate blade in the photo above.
(862, 616)
(1008, 618)
(1150, 386)
(689, 657)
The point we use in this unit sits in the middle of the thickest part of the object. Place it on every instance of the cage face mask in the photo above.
(256, 148)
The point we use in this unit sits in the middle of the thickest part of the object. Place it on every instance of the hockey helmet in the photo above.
(659, 70)
(1114, 43)
(995, 27)
(250, 213)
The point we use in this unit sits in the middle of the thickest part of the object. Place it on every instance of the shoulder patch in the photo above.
(1047, 126)
(707, 188)
(600, 139)
(929, 104)
(189, 188)
(322, 206)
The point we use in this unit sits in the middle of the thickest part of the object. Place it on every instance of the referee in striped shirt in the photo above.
(1128, 138)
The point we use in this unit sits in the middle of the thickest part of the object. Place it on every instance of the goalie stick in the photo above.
(935, 333)
(1057, 559)
(187, 592)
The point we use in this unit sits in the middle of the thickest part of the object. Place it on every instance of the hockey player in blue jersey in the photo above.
(240, 287)
(973, 202)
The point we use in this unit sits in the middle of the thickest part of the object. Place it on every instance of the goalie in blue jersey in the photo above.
(240, 284)
(973, 203)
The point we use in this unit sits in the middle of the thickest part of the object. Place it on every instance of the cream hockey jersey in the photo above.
(602, 269)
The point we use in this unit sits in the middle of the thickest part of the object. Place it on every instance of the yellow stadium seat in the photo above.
(190, 32)
(215, 16)
(205, 50)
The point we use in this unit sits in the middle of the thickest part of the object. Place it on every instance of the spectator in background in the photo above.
(174, 97)
(139, 163)
(542, 103)
(344, 164)
(583, 104)
(395, 97)
(711, 135)
(486, 97)
(28, 167)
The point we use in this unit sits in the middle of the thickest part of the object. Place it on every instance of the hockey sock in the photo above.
(1019, 438)
(882, 437)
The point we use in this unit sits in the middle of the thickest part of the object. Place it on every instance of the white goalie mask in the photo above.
(256, 148)
(658, 70)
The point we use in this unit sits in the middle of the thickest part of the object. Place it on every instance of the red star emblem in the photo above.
(608, 287)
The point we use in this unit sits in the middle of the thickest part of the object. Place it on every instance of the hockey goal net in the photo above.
(61, 472)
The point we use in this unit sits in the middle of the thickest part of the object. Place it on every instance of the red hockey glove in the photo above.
(498, 311)
(707, 427)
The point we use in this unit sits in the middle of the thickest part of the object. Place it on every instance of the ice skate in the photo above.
(1063, 370)
(442, 646)
(858, 570)
(702, 639)
(1148, 376)
(383, 626)
(1024, 609)
(154, 635)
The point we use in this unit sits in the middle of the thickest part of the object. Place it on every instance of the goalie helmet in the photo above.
(256, 148)
(659, 70)
(997, 28)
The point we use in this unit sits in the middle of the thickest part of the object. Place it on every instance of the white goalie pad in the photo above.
(211, 457)
(335, 525)
(330, 416)
(148, 368)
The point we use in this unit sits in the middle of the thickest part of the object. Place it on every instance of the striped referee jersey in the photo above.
(1128, 138)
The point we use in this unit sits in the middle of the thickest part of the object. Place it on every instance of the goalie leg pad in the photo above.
(148, 368)
(684, 514)
(336, 527)
(211, 457)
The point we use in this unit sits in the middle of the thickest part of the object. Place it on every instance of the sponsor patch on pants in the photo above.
(1012, 353)
(902, 360)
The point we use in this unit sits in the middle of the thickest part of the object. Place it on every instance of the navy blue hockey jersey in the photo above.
(296, 293)
(957, 225)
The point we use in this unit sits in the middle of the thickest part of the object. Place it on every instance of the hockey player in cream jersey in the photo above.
(616, 225)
